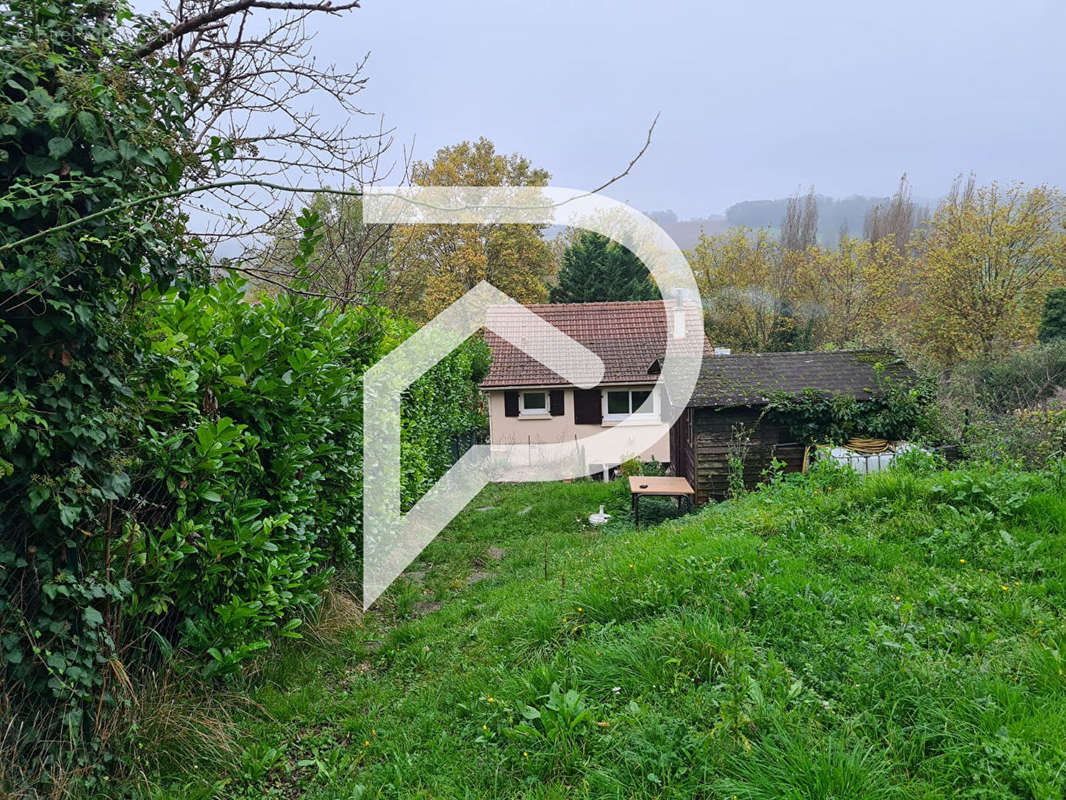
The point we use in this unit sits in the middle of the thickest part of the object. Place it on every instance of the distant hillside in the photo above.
(832, 214)
(686, 232)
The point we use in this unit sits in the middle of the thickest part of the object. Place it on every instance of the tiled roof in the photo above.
(751, 378)
(627, 336)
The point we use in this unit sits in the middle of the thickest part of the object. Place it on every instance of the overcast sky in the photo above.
(757, 97)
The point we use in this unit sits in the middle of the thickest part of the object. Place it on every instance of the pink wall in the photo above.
(547, 429)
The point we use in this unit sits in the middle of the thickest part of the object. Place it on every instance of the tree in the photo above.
(596, 269)
(749, 283)
(799, 229)
(896, 219)
(260, 102)
(435, 265)
(1053, 320)
(985, 264)
(349, 262)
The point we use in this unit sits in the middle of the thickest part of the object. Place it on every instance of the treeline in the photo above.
(970, 279)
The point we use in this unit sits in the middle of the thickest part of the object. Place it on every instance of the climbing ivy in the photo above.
(897, 411)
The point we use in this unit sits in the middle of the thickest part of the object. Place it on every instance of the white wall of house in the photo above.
(532, 427)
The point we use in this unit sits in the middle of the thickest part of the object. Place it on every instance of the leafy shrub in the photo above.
(241, 459)
(634, 466)
(918, 461)
(901, 412)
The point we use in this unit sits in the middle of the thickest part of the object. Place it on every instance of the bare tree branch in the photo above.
(206, 19)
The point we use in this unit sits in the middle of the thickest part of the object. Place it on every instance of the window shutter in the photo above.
(510, 404)
(555, 402)
(587, 408)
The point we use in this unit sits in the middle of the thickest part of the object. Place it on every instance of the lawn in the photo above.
(900, 636)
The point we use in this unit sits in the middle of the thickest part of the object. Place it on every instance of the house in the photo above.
(530, 404)
(732, 393)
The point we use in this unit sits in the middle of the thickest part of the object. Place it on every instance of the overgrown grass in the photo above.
(900, 636)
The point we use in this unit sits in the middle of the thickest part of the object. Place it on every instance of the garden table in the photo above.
(647, 486)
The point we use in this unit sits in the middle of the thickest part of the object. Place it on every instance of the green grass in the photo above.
(900, 636)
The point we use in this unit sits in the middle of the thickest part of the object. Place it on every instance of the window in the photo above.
(621, 403)
(533, 403)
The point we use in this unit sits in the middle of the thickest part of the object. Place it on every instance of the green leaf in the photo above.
(88, 124)
(57, 111)
(59, 146)
(92, 616)
(102, 154)
(22, 114)
(41, 165)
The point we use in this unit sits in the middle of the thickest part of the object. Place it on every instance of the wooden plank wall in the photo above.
(682, 454)
(712, 431)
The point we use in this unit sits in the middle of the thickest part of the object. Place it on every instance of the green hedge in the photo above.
(240, 489)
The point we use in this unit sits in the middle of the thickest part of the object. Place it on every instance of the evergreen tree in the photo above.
(1053, 321)
(596, 269)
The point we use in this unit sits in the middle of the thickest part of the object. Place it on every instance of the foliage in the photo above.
(986, 261)
(596, 269)
(1053, 319)
(899, 411)
(249, 446)
(1027, 378)
(349, 263)
(746, 277)
(435, 265)
(79, 132)
(967, 281)
(1008, 408)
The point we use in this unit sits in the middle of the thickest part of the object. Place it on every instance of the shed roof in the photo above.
(750, 379)
(629, 337)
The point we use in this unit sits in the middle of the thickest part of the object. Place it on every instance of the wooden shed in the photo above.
(731, 396)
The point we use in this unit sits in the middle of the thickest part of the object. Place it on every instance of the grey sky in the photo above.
(757, 98)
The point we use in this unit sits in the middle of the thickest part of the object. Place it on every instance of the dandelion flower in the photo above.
(962, 560)
(366, 743)
(492, 699)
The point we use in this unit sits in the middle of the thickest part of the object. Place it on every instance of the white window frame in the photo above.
(534, 412)
(654, 415)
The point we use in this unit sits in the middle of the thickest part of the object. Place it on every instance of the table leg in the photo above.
(636, 510)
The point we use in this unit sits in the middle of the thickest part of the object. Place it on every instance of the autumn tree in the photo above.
(435, 265)
(749, 291)
(595, 268)
(985, 264)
